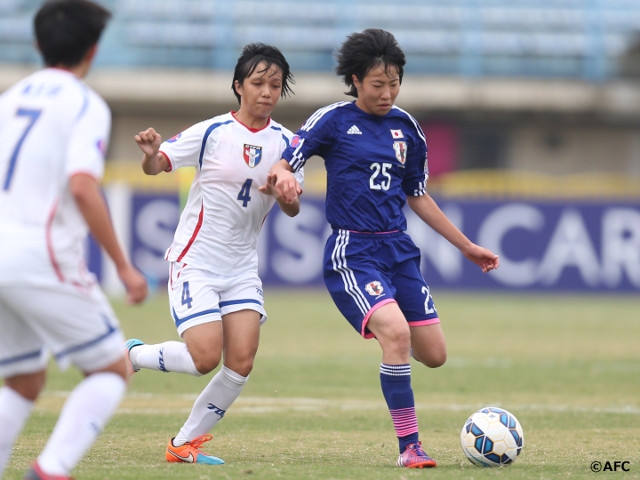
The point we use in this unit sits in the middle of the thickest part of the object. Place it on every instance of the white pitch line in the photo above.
(267, 405)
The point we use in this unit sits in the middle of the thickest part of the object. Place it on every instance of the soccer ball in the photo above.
(492, 437)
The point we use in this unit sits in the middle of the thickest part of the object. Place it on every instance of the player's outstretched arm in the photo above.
(153, 162)
(427, 209)
(86, 192)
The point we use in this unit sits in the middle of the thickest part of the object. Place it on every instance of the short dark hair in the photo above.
(366, 50)
(251, 56)
(66, 29)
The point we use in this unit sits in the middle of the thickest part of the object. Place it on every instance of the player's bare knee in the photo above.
(437, 361)
(205, 367)
(206, 364)
(433, 359)
(396, 337)
(27, 386)
(242, 367)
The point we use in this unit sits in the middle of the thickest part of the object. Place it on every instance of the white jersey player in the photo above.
(215, 293)
(53, 127)
(224, 213)
(53, 137)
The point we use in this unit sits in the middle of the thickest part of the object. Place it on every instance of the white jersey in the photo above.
(221, 221)
(52, 126)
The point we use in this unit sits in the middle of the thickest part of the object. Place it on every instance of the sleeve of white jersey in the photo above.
(184, 149)
(89, 138)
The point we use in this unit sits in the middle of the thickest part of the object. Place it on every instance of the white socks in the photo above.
(211, 405)
(85, 413)
(169, 356)
(14, 412)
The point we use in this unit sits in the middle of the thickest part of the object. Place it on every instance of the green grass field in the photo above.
(567, 366)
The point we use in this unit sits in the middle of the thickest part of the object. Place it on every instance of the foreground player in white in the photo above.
(53, 135)
(215, 293)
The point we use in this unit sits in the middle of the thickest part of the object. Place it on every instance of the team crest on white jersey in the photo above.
(401, 151)
(374, 288)
(252, 155)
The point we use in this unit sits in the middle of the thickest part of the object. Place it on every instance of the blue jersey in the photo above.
(372, 164)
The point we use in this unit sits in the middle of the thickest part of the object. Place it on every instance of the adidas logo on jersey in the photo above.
(354, 131)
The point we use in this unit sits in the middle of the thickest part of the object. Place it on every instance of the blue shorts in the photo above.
(364, 271)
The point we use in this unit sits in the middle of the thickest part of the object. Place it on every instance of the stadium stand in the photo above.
(517, 38)
(543, 85)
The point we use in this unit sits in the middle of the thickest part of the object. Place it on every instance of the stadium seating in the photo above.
(476, 38)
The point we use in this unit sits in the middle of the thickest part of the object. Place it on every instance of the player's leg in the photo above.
(17, 398)
(17, 395)
(414, 298)
(198, 356)
(428, 345)
(365, 297)
(241, 337)
(23, 368)
(242, 312)
(194, 305)
(392, 332)
(28, 385)
(84, 415)
(203, 344)
(79, 328)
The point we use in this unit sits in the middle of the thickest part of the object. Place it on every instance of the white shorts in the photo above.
(76, 326)
(198, 296)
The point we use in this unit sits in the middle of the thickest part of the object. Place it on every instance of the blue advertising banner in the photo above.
(546, 246)
(543, 245)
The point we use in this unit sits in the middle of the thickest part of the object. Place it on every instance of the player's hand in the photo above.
(483, 257)
(149, 142)
(134, 283)
(269, 188)
(286, 186)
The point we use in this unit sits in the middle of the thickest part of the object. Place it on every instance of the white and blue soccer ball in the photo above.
(492, 437)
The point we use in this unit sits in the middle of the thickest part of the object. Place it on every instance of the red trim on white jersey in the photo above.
(170, 167)
(50, 250)
(193, 237)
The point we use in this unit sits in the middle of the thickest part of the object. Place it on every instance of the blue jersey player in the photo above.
(375, 155)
